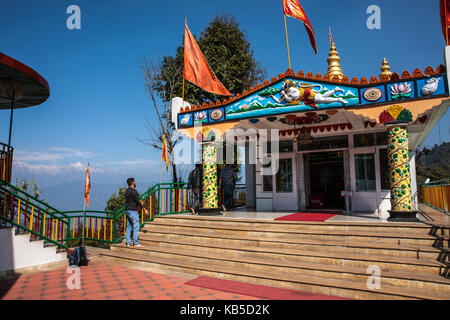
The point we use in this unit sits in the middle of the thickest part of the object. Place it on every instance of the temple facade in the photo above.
(337, 139)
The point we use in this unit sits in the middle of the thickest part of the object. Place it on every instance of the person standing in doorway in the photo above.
(132, 205)
(195, 185)
(227, 180)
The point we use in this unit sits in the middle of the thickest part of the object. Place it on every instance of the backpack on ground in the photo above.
(78, 257)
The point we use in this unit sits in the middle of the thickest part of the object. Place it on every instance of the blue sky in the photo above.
(97, 103)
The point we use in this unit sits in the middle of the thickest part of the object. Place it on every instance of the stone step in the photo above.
(277, 245)
(261, 233)
(286, 261)
(275, 226)
(291, 259)
(277, 278)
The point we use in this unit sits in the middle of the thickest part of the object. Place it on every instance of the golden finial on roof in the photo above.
(385, 69)
(334, 66)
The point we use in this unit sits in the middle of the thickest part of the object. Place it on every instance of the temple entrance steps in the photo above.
(319, 257)
(18, 252)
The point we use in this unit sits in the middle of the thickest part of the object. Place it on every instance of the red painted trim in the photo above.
(19, 66)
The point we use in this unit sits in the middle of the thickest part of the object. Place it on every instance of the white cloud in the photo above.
(53, 154)
(137, 162)
(70, 152)
(77, 166)
(69, 164)
(36, 168)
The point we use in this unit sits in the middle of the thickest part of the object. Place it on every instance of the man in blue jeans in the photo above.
(132, 205)
(227, 180)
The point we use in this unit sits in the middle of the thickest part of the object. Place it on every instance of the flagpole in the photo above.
(446, 35)
(182, 94)
(84, 223)
(287, 41)
(446, 26)
(160, 174)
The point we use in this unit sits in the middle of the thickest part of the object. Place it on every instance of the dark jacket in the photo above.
(132, 202)
(228, 177)
(195, 179)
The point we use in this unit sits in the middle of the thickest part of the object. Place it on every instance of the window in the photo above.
(370, 139)
(284, 146)
(364, 140)
(267, 183)
(284, 176)
(365, 172)
(381, 138)
(267, 180)
(336, 142)
(384, 170)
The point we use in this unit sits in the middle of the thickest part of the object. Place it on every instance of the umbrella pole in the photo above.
(11, 119)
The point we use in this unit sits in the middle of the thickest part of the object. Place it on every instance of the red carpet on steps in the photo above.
(270, 293)
(309, 216)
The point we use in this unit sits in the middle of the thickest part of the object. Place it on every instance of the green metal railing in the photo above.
(6, 160)
(110, 227)
(435, 194)
(27, 214)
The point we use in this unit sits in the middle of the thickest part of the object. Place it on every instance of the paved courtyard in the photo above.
(103, 281)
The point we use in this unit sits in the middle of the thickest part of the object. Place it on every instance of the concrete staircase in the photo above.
(318, 257)
(18, 253)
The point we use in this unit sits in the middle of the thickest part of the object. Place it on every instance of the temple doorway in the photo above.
(325, 180)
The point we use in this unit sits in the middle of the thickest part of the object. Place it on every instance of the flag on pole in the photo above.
(165, 154)
(196, 68)
(293, 9)
(331, 36)
(87, 186)
(445, 18)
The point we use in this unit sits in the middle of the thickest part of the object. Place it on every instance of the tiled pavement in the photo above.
(102, 281)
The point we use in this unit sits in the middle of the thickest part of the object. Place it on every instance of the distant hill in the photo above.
(69, 196)
(433, 163)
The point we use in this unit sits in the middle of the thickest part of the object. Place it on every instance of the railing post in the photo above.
(159, 199)
(435, 198)
(171, 199)
(68, 234)
(114, 230)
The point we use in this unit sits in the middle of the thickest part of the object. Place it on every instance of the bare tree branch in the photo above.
(155, 77)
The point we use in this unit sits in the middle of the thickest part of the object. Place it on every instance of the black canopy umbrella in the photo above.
(20, 87)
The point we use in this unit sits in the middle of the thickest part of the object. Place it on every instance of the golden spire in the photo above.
(385, 69)
(334, 66)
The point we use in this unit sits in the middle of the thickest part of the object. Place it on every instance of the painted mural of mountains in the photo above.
(348, 95)
(255, 105)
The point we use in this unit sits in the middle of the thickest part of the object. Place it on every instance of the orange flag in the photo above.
(292, 8)
(165, 154)
(196, 68)
(87, 186)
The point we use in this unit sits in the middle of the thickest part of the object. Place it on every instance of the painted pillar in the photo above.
(210, 192)
(399, 169)
(396, 120)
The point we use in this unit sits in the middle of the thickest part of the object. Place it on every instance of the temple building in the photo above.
(337, 137)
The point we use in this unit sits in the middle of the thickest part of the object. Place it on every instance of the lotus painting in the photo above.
(293, 96)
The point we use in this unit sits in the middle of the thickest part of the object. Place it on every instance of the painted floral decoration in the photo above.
(200, 116)
(401, 90)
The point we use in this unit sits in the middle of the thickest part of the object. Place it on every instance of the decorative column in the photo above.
(210, 196)
(210, 192)
(396, 120)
